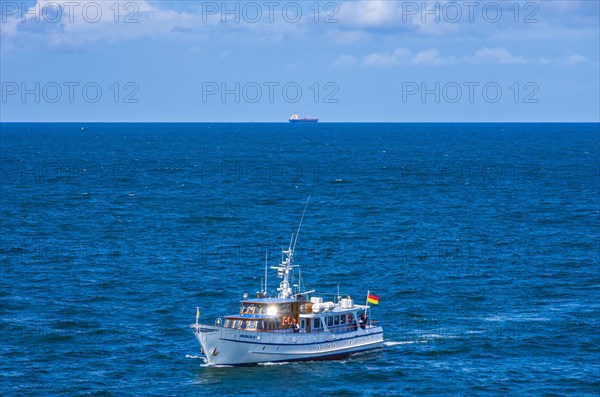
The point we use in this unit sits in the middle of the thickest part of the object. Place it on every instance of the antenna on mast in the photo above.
(285, 269)
(266, 265)
(301, 219)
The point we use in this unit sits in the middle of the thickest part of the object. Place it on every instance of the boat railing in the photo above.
(334, 329)
(343, 328)
(207, 327)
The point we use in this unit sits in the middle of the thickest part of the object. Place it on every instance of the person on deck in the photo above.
(351, 322)
(362, 320)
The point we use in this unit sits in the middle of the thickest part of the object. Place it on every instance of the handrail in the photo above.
(334, 329)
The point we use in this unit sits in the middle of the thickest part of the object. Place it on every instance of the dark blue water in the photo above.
(481, 240)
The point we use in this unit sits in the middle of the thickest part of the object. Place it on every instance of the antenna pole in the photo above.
(301, 219)
(266, 264)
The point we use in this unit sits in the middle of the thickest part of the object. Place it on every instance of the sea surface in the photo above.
(481, 241)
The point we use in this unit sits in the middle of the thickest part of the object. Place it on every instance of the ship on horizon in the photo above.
(294, 118)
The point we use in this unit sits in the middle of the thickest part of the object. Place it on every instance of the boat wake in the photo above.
(278, 363)
(396, 343)
(207, 365)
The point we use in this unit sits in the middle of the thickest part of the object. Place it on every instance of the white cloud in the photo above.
(497, 55)
(385, 16)
(61, 24)
(576, 59)
(447, 17)
(344, 61)
(373, 14)
(396, 57)
(429, 57)
(86, 22)
(404, 56)
(432, 57)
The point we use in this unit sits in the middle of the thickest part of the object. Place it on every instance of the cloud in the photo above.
(344, 61)
(433, 57)
(429, 57)
(497, 55)
(404, 56)
(384, 16)
(576, 59)
(397, 57)
(60, 23)
(458, 18)
(374, 14)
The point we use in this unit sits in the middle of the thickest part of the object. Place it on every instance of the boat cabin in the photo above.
(267, 314)
(277, 314)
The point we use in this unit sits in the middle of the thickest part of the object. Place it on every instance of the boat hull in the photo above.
(303, 121)
(226, 346)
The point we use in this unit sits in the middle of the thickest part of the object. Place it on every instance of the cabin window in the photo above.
(302, 324)
(329, 321)
(227, 323)
(251, 325)
(316, 323)
(272, 324)
(284, 309)
(343, 319)
(336, 320)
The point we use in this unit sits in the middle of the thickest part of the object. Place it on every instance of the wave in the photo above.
(267, 364)
(396, 343)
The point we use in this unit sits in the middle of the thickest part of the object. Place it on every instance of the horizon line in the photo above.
(307, 124)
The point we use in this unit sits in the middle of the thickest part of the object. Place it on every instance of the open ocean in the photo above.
(481, 240)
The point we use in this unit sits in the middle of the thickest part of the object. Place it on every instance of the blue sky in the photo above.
(338, 60)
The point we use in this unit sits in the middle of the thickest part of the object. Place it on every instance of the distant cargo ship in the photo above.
(294, 118)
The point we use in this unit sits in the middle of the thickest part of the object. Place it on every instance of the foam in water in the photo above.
(396, 343)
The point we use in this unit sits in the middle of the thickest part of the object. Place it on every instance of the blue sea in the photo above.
(481, 241)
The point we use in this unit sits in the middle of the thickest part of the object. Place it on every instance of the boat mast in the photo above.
(285, 268)
(266, 267)
(301, 219)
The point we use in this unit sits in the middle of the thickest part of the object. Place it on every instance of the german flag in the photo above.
(374, 299)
